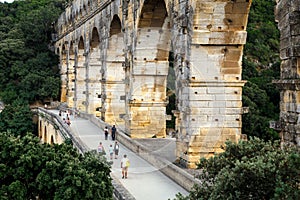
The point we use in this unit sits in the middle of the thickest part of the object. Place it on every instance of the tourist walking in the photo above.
(68, 121)
(100, 149)
(116, 149)
(124, 165)
(106, 132)
(113, 132)
(111, 151)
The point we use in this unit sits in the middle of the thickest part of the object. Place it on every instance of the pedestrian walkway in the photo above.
(144, 181)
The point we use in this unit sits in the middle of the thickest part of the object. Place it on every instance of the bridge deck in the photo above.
(144, 182)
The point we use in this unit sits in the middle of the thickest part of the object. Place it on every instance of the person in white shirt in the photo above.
(124, 165)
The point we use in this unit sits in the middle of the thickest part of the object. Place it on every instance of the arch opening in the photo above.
(95, 38)
(93, 73)
(153, 14)
(150, 71)
(115, 26)
(81, 44)
(113, 98)
(80, 74)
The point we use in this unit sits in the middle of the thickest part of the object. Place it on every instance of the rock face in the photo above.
(116, 56)
(288, 18)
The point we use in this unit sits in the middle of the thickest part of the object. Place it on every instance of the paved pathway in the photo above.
(144, 181)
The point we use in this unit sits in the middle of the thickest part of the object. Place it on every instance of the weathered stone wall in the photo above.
(47, 131)
(288, 18)
(208, 51)
(121, 62)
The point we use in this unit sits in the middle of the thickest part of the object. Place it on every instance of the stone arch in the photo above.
(52, 141)
(95, 39)
(149, 73)
(114, 87)
(80, 68)
(115, 26)
(153, 14)
(81, 45)
(71, 75)
(93, 73)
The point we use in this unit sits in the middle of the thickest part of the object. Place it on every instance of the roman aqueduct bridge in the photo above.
(116, 57)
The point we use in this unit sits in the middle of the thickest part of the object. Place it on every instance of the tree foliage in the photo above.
(249, 170)
(29, 169)
(28, 67)
(29, 70)
(16, 118)
(261, 65)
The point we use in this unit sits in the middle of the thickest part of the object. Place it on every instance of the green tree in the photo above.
(249, 170)
(16, 118)
(261, 65)
(28, 67)
(29, 169)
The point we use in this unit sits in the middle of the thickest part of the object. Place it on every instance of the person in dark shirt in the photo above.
(113, 132)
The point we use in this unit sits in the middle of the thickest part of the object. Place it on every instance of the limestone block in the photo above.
(215, 90)
(228, 97)
(231, 77)
(193, 90)
(236, 71)
(207, 111)
(151, 68)
(231, 65)
(196, 120)
(201, 97)
(198, 105)
(217, 104)
(233, 117)
(233, 90)
(230, 111)
(228, 37)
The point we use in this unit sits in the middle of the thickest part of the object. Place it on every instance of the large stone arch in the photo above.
(113, 97)
(80, 69)
(148, 76)
(94, 75)
(71, 75)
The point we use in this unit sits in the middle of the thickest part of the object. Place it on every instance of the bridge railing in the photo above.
(63, 129)
(120, 192)
(177, 174)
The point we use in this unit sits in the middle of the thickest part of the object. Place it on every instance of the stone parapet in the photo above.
(180, 176)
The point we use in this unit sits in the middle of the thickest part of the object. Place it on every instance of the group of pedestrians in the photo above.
(113, 150)
(65, 115)
(113, 132)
